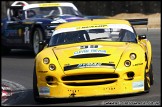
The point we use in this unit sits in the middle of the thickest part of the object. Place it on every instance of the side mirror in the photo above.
(141, 37)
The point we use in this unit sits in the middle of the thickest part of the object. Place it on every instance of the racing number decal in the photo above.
(26, 35)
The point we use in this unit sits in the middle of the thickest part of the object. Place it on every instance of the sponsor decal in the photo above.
(138, 85)
(42, 71)
(89, 51)
(49, 4)
(111, 62)
(26, 35)
(44, 91)
(91, 26)
(138, 64)
(84, 65)
(109, 27)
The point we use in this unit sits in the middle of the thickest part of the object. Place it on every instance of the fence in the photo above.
(110, 8)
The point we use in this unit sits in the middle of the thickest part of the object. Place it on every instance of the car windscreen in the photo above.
(106, 35)
(51, 11)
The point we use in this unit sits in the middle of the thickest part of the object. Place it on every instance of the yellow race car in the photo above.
(95, 57)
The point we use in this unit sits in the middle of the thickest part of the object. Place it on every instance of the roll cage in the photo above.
(15, 11)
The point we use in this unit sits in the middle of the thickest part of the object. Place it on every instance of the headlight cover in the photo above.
(52, 67)
(127, 63)
(46, 60)
(133, 56)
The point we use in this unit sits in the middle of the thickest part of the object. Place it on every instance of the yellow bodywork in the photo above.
(106, 80)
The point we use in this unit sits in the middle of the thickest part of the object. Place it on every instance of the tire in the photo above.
(146, 83)
(37, 37)
(35, 89)
(151, 75)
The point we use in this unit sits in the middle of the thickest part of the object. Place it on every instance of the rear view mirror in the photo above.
(141, 37)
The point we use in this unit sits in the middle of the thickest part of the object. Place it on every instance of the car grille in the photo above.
(90, 79)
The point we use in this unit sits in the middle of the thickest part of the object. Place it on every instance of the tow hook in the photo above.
(72, 94)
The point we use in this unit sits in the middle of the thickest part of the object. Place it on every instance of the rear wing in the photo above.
(138, 21)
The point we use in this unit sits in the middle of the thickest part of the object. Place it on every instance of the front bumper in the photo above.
(120, 87)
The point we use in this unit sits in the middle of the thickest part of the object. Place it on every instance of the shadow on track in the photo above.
(77, 100)
(19, 53)
(64, 101)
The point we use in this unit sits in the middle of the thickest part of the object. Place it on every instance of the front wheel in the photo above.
(37, 37)
(147, 82)
(151, 75)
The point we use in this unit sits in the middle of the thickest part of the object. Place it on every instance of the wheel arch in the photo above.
(148, 54)
(149, 49)
(33, 29)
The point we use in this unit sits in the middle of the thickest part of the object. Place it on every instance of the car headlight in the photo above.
(132, 56)
(127, 63)
(52, 67)
(46, 61)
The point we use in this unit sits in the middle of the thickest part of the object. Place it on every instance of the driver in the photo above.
(20, 14)
(31, 13)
